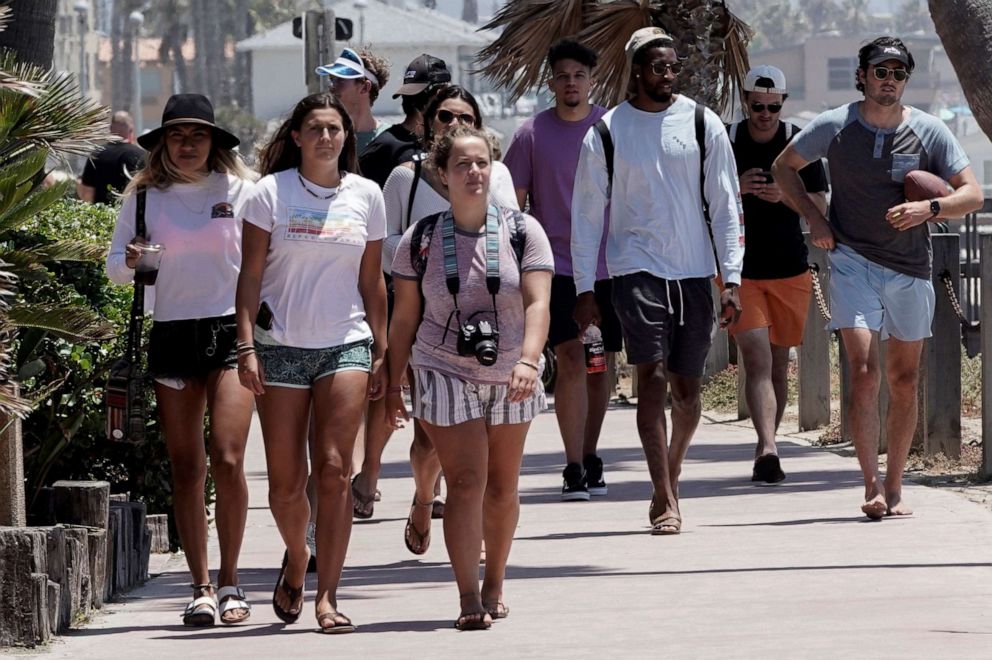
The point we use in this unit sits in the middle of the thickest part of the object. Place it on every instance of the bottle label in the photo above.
(595, 357)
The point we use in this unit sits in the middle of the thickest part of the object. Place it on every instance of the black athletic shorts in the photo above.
(563, 327)
(669, 321)
(192, 348)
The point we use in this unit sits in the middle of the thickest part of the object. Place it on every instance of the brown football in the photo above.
(921, 185)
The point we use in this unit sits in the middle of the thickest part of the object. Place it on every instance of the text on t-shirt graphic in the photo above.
(325, 226)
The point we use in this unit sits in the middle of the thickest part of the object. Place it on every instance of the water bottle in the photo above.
(592, 341)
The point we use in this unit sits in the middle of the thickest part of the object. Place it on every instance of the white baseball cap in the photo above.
(775, 75)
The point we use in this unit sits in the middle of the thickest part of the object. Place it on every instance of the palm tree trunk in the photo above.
(31, 34)
(965, 28)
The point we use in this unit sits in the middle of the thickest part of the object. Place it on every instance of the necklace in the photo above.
(318, 196)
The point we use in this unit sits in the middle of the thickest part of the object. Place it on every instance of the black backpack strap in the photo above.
(418, 166)
(700, 122)
(607, 139)
(418, 250)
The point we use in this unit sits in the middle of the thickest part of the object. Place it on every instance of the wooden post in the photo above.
(814, 353)
(82, 502)
(12, 509)
(985, 250)
(942, 356)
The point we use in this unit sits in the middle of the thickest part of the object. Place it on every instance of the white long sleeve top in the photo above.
(656, 215)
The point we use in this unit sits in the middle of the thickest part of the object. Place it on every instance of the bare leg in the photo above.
(284, 413)
(230, 407)
(338, 403)
(902, 362)
(861, 347)
(377, 434)
(571, 397)
(426, 473)
(598, 400)
(780, 381)
(687, 408)
(652, 388)
(759, 390)
(463, 450)
(501, 506)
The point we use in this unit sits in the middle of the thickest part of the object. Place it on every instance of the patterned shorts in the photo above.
(444, 400)
(288, 366)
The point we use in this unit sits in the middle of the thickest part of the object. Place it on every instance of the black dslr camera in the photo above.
(480, 340)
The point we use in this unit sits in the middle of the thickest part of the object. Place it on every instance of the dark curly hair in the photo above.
(570, 49)
(881, 42)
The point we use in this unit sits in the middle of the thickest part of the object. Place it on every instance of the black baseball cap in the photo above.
(879, 54)
(421, 73)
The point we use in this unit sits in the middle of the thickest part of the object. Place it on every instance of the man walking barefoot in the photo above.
(879, 246)
(542, 160)
(658, 249)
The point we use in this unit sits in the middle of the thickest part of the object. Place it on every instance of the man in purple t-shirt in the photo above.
(542, 159)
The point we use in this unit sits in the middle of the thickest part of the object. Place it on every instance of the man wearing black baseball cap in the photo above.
(398, 143)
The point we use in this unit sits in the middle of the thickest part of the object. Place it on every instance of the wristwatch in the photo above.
(934, 208)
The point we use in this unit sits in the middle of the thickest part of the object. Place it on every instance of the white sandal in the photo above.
(202, 611)
(235, 601)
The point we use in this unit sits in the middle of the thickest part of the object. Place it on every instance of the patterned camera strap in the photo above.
(451, 254)
(136, 321)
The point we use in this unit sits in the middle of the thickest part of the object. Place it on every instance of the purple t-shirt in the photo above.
(542, 159)
(429, 351)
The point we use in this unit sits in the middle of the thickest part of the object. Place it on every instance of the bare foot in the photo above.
(875, 507)
(896, 507)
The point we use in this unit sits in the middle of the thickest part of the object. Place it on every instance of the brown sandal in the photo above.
(416, 541)
(339, 623)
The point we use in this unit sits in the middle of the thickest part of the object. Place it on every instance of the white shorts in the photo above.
(444, 400)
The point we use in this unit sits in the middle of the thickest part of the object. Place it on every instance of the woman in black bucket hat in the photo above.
(191, 187)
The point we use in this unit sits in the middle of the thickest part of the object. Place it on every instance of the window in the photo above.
(840, 72)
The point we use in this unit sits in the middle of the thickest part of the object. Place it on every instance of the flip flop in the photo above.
(500, 611)
(416, 541)
(364, 505)
(292, 594)
(474, 621)
(336, 628)
(667, 526)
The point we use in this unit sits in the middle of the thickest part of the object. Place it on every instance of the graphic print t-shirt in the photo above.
(315, 252)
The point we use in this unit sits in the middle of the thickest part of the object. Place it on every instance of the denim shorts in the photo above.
(864, 294)
(300, 368)
(444, 400)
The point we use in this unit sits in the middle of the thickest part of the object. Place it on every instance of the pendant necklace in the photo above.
(318, 196)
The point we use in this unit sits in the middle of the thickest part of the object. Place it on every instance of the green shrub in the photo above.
(64, 438)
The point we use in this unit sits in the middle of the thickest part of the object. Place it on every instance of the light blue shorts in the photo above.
(864, 294)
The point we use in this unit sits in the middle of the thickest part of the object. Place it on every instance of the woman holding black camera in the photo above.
(483, 276)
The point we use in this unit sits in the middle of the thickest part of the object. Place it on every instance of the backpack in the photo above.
(700, 124)
(420, 247)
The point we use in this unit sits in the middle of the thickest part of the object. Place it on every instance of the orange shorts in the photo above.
(779, 305)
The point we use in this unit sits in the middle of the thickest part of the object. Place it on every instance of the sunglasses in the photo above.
(659, 68)
(445, 117)
(773, 108)
(882, 72)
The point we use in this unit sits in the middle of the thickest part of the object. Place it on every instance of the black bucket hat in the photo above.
(189, 109)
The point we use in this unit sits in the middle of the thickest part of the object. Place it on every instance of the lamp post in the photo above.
(361, 5)
(136, 19)
(82, 9)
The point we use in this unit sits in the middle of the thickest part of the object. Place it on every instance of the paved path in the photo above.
(792, 571)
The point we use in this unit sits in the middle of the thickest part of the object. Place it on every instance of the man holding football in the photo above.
(880, 256)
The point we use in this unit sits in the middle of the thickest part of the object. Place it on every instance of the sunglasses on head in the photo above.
(773, 108)
(882, 72)
(659, 68)
(445, 117)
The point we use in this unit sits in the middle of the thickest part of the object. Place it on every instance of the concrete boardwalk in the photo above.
(791, 571)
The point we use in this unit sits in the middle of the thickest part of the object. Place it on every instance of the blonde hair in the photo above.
(160, 172)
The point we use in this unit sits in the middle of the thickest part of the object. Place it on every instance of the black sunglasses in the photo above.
(773, 108)
(445, 117)
(882, 72)
(659, 68)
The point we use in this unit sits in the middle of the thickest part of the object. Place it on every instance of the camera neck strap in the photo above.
(451, 253)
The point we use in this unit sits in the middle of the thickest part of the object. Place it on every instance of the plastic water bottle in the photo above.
(592, 341)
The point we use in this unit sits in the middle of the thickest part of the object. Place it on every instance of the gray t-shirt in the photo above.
(429, 352)
(868, 167)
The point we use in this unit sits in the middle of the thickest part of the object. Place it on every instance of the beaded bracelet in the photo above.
(528, 364)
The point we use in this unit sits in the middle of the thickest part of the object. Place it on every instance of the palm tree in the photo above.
(32, 37)
(963, 26)
(41, 116)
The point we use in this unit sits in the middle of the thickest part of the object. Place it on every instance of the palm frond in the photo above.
(70, 323)
(68, 250)
(608, 27)
(11, 403)
(734, 61)
(516, 58)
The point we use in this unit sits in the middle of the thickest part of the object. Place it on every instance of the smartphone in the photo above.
(264, 318)
(768, 177)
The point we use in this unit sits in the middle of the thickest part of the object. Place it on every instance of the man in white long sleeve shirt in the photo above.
(658, 249)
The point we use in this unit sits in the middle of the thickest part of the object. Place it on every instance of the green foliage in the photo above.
(64, 436)
(720, 393)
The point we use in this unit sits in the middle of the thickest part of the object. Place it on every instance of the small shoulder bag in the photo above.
(124, 394)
